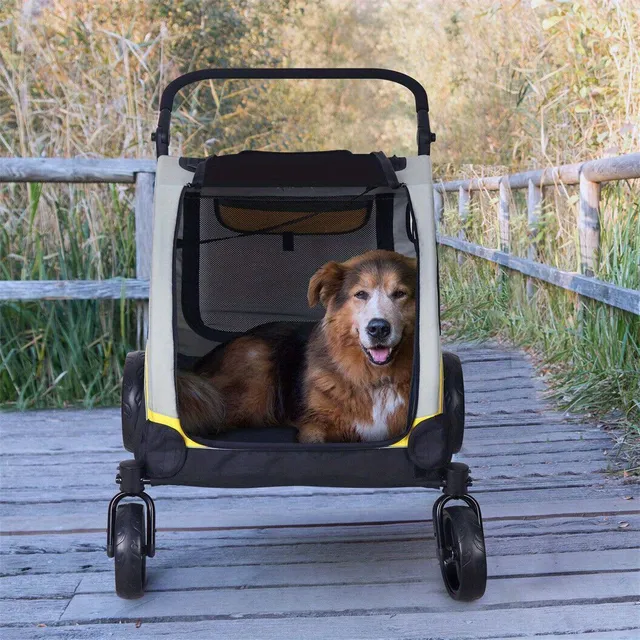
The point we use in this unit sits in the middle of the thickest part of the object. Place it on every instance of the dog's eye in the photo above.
(361, 295)
(398, 294)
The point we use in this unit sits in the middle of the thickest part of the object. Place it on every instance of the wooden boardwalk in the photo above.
(562, 538)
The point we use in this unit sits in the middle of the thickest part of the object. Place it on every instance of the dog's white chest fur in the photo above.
(385, 402)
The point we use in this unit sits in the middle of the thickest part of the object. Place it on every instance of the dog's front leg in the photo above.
(312, 433)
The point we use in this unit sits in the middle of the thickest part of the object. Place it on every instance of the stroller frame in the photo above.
(165, 455)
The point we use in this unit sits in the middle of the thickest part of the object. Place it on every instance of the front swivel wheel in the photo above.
(130, 551)
(463, 560)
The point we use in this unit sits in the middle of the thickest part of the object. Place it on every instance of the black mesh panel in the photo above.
(248, 261)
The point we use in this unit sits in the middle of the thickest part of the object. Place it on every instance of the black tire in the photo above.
(130, 551)
(132, 408)
(463, 560)
(454, 399)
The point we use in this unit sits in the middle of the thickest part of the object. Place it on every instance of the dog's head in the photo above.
(371, 299)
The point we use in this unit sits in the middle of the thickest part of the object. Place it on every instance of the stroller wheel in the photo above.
(454, 398)
(130, 551)
(463, 561)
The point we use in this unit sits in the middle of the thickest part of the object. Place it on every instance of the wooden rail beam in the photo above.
(617, 168)
(626, 299)
(73, 169)
(112, 289)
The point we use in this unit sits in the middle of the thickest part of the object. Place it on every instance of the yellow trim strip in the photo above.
(405, 441)
(168, 421)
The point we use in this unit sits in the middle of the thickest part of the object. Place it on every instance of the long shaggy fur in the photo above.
(200, 405)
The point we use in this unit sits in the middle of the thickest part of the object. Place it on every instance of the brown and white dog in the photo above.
(345, 379)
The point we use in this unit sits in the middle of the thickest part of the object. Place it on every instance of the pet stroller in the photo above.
(236, 239)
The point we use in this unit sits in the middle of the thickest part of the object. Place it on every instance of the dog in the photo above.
(344, 379)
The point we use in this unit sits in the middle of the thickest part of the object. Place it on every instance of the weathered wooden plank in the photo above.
(420, 567)
(620, 297)
(592, 621)
(186, 549)
(309, 539)
(429, 596)
(319, 509)
(84, 552)
(629, 634)
(73, 169)
(113, 289)
(32, 611)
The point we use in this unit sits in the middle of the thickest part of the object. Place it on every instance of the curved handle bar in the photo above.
(425, 136)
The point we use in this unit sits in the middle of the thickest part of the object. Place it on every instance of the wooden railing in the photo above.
(588, 175)
(81, 170)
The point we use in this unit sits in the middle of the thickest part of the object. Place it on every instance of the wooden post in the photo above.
(464, 199)
(504, 205)
(143, 205)
(503, 215)
(438, 209)
(589, 224)
(534, 204)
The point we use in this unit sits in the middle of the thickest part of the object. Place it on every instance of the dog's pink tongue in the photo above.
(380, 354)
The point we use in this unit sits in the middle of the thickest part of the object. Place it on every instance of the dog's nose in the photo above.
(378, 328)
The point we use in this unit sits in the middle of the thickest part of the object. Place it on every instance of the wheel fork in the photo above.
(455, 485)
(131, 483)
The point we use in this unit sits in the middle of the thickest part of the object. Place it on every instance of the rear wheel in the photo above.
(130, 551)
(454, 398)
(463, 560)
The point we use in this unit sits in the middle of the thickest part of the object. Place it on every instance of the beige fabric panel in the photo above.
(159, 365)
(417, 177)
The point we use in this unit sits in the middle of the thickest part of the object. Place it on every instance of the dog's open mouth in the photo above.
(379, 355)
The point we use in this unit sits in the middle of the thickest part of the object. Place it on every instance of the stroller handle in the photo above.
(425, 135)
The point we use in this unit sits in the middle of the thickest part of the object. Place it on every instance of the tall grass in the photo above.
(57, 353)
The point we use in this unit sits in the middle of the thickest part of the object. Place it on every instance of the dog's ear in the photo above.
(325, 283)
(412, 263)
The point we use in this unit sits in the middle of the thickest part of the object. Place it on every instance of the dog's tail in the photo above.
(200, 405)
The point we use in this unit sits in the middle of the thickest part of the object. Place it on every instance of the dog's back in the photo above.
(255, 380)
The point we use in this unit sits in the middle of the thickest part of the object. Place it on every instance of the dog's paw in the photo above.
(311, 434)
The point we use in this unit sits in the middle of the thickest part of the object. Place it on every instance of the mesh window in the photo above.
(248, 261)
